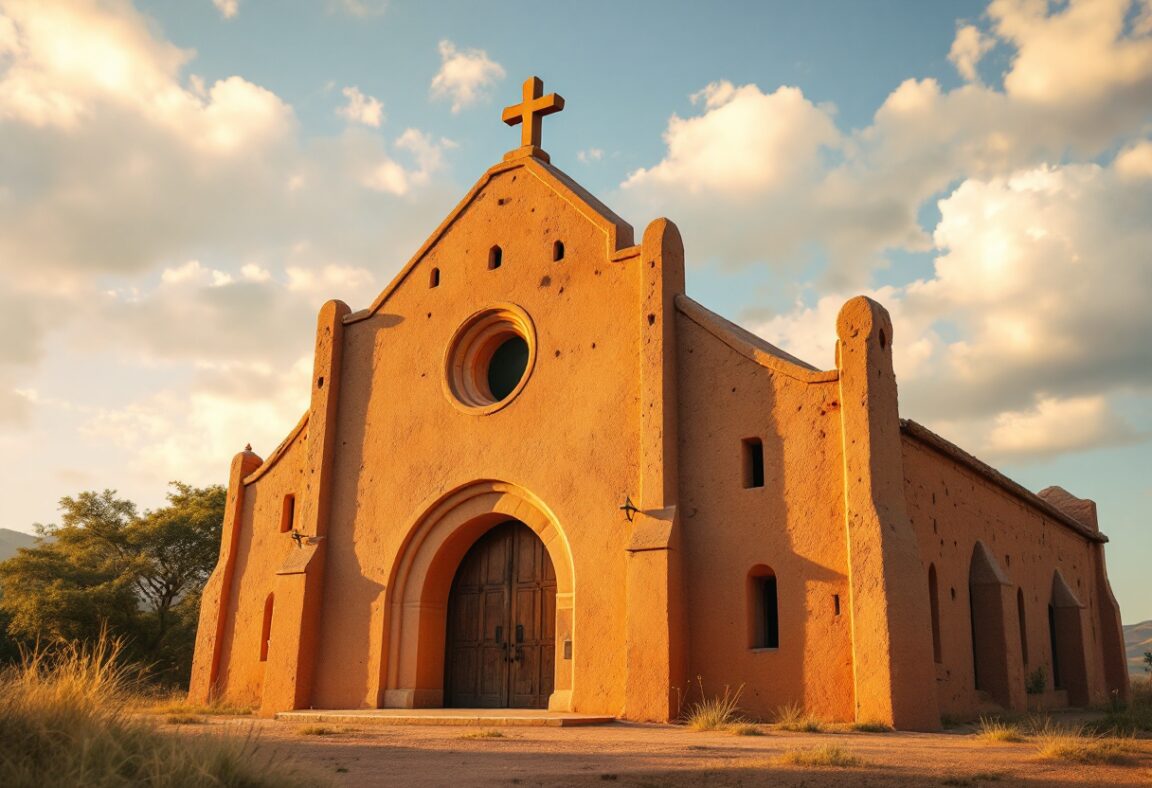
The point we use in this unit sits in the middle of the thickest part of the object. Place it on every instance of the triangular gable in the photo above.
(618, 234)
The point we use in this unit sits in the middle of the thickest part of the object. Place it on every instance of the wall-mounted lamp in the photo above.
(629, 508)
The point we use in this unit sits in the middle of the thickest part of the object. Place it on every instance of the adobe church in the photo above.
(535, 473)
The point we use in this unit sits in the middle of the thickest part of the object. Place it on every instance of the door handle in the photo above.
(519, 633)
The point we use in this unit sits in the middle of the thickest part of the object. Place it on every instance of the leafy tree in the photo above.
(106, 565)
(1148, 661)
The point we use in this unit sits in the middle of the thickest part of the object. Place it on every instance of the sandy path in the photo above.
(657, 755)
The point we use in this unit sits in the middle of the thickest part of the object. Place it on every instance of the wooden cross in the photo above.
(530, 111)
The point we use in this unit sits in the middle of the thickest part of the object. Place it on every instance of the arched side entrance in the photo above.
(501, 623)
(989, 595)
(416, 601)
(1066, 634)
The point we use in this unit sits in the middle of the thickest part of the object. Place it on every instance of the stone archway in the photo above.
(416, 602)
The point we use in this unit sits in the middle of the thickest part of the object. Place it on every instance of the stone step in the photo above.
(487, 718)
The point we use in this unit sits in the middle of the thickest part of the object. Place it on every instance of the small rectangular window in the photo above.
(753, 462)
(765, 613)
(288, 514)
(836, 603)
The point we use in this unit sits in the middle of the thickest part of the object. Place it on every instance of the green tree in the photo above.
(105, 565)
(1148, 661)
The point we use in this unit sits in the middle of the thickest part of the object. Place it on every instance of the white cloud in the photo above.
(464, 75)
(227, 8)
(1036, 311)
(359, 8)
(361, 108)
(589, 155)
(968, 48)
(1056, 426)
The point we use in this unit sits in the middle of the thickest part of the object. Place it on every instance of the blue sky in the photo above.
(183, 182)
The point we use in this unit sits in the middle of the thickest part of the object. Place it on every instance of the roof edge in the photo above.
(927, 437)
(751, 346)
(279, 451)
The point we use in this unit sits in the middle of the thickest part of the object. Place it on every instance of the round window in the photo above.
(490, 358)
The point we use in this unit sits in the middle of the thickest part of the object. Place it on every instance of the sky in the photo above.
(184, 182)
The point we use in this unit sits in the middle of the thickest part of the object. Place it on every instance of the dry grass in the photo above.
(1135, 715)
(795, 718)
(827, 755)
(318, 730)
(998, 730)
(490, 733)
(185, 719)
(716, 713)
(745, 729)
(979, 778)
(65, 719)
(1054, 743)
(870, 727)
(177, 703)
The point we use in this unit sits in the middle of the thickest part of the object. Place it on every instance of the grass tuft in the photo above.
(995, 729)
(185, 719)
(870, 727)
(793, 717)
(65, 719)
(821, 756)
(1080, 746)
(490, 733)
(717, 713)
(745, 729)
(318, 730)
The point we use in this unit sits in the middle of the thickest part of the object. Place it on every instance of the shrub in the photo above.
(1037, 681)
(65, 720)
(745, 729)
(317, 730)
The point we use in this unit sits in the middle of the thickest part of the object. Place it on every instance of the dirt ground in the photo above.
(627, 754)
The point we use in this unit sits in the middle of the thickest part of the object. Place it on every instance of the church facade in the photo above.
(535, 473)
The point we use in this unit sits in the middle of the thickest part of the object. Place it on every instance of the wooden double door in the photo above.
(501, 623)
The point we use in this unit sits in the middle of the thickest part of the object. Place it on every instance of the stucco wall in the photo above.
(261, 550)
(952, 508)
(794, 524)
(570, 436)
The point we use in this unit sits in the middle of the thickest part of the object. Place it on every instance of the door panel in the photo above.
(501, 623)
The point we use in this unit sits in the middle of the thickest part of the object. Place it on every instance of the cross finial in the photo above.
(529, 113)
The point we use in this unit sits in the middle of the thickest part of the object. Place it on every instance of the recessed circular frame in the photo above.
(490, 359)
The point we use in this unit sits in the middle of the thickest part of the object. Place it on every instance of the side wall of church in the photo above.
(792, 525)
(262, 548)
(952, 509)
(568, 437)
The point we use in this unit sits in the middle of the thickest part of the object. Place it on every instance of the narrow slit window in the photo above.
(557, 251)
(434, 278)
(753, 462)
(836, 603)
(495, 258)
(266, 629)
(764, 608)
(934, 603)
(288, 514)
(1023, 625)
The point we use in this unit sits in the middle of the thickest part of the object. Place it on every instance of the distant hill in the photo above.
(11, 541)
(1137, 639)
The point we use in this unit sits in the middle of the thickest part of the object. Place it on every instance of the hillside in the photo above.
(11, 541)
(1137, 639)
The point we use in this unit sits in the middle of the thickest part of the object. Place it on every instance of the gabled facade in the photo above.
(535, 473)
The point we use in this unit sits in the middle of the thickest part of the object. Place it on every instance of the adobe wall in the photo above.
(261, 550)
(401, 444)
(794, 524)
(952, 508)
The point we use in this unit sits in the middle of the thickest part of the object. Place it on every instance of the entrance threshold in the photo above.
(491, 718)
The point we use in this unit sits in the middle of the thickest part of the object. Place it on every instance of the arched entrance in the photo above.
(501, 623)
(413, 665)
